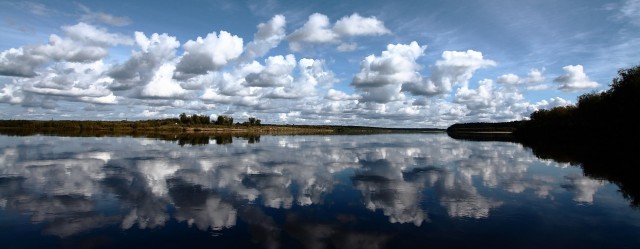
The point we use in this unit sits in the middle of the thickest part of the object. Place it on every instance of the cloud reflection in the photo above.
(215, 187)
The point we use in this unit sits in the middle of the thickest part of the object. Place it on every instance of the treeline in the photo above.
(90, 125)
(606, 115)
(196, 119)
(168, 124)
(486, 127)
(609, 113)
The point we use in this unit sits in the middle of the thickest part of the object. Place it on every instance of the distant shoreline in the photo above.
(173, 126)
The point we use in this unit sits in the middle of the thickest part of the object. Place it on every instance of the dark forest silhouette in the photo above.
(600, 133)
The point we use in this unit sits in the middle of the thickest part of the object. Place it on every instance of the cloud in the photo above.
(163, 85)
(383, 185)
(582, 187)
(380, 77)
(550, 103)
(630, 10)
(574, 79)
(277, 72)
(356, 25)
(209, 54)
(60, 49)
(80, 82)
(141, 66)
(102, 17)
(38, 9)
(488, 103)
(336, 95)
(269, 35)
(312, 73)
(509, 79)
(455, 67)
(534, 76)
(20, 63)
(11, 94)
(82, 43)
(347, 47)
(92, 35)
(212, 213)
(318, 30)
(315, 30)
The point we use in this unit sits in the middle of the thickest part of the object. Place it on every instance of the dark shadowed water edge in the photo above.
(323, 191)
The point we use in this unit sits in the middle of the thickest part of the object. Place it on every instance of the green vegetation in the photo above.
(183, 124)
(194, 119)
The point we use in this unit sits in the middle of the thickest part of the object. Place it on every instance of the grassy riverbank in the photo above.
(175, 127)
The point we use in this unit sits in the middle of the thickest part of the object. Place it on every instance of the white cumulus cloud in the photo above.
(269, 35)
(277, 72)
(209, 54)
(82, 43)
(318, 29)
(163, 85)
(455, 67)
(141, 66)
(381, 77)
(574, 79)
(356, 25)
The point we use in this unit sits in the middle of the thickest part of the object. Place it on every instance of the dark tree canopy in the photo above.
(194, 119)
(614, 109)
(224, 120)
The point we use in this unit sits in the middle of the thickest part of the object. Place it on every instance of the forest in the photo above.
(606, 115)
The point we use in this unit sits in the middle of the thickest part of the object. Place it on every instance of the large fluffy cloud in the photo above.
(82, 82)
(163, 85)
(381, 77)
(269, 35)
(82, 43)
(20, 62)
(356, 25)
(455, 67)
(311, 73)
(209, 54)
(574, 79)
(318, 30)
(277, 72)
(142, 64)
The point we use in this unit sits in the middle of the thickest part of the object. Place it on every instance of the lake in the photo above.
(349, 191)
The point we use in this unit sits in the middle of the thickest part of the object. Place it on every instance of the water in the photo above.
(371, 191)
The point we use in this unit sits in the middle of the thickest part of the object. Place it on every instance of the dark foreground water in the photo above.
(373, 191)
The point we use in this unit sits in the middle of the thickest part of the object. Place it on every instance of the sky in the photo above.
(375, 63)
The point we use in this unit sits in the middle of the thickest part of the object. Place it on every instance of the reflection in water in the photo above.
(320, 191)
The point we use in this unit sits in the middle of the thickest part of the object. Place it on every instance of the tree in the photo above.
(224, 120)
(184, 118)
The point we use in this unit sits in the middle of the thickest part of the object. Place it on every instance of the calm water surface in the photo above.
(372, 191)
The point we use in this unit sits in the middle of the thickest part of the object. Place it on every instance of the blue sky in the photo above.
(382, 63)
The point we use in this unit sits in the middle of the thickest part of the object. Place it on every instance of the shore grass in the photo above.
(175, 127)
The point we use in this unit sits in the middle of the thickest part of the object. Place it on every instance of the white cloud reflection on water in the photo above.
(210, 186)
